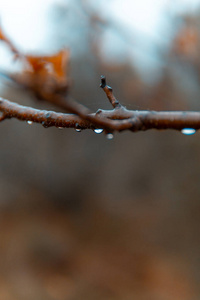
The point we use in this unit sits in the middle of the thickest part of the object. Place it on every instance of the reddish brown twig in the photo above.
(120, 119)
(12, 47)
(109, 93)
(50, 118)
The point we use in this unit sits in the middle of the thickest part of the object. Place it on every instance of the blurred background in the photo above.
(81, 216)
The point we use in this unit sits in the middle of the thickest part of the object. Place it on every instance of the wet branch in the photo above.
(120, 118)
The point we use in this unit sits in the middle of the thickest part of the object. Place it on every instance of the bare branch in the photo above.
(50, 118)
(120, 119)
(97, 120)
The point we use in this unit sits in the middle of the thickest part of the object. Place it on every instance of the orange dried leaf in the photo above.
(56, 63)
(60, 62)
(42, 74)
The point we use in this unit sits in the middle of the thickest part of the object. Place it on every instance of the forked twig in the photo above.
(119, 119)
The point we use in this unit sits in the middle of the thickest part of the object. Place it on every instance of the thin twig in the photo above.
(12, 47)
(109, 93)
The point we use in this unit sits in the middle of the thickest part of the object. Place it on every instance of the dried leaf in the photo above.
(44, 75)
(55, 65)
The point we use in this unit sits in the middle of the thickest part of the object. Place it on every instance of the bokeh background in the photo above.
(83, 217)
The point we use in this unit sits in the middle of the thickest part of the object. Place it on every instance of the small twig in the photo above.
(109, 93)
(10, 44)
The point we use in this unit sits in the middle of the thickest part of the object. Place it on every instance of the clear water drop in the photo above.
(30, 122)
(98, 130)
(45, 125)
(60, 127)
(77, 127)
(109, 136)
(188, 131)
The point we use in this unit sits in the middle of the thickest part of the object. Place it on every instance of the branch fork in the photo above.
(117, 119)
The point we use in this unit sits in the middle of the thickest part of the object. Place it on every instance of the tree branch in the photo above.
(120, 119)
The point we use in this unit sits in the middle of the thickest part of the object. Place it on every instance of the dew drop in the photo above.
(188, 131)
(77, 127)
(45, 125)
(98, 130)
(30, 122)
(60, 127)
(109, 136)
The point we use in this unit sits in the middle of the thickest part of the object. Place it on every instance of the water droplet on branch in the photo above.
(109, 136)
(30, 122)
(98, 130)
(188, 131)
(77, 127)
(45, 125)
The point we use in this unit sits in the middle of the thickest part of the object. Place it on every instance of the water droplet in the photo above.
(45, 125)
(188, 131)
(77, 127)
(48, 115)
(109, 136)
(98, 130)
(60, 127)
(30, 122)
